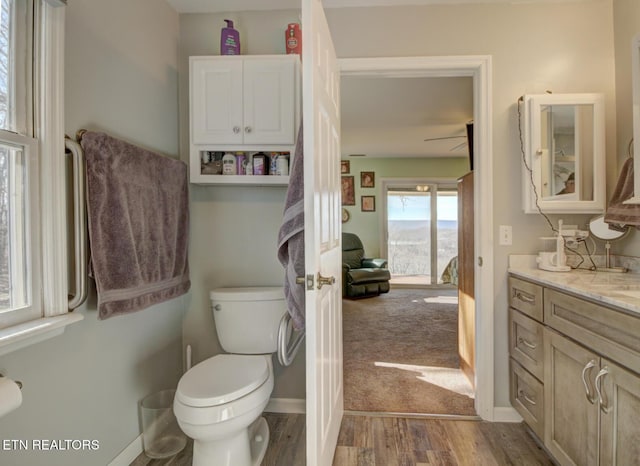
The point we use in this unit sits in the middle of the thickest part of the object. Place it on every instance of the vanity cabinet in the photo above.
(581, 393)
(526, 352)
(242, 103)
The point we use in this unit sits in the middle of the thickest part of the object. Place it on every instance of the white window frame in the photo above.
(48, 130)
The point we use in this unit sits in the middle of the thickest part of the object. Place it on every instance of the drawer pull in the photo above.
(527, 298)
(587, 368)
(527, 343)
(604, 403)
(522, 394)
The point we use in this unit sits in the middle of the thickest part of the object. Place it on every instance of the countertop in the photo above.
(621, 290)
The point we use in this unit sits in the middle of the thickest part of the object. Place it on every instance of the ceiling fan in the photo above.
(462, 145)
(455, 148)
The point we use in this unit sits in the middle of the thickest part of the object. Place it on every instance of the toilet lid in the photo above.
(222, 379)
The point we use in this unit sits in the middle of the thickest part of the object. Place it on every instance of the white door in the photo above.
(323, 252)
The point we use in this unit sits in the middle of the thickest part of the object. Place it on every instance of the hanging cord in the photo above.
(529, 169)
(577, 253)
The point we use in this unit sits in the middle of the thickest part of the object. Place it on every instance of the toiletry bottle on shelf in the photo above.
(229, 40)
(260, 164)
(229, 164)
(282, 165)
(240, 163)
(293, 38)
(248, 165)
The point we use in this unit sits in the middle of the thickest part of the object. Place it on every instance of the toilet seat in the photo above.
(222, 379)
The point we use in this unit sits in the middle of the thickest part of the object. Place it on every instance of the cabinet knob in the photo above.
(236, 129)
(247, 129)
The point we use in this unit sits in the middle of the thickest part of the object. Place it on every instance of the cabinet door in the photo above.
(269, 101)
(620, 411)
(216, 101)
(571, 408)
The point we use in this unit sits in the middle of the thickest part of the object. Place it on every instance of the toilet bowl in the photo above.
(219, 402)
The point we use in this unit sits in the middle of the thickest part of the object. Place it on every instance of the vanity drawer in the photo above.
(609, 332)
(526, 297)
(525, 342)
(526, 394)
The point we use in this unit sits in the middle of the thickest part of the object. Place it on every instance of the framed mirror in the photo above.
(565, 153)
(635, 77)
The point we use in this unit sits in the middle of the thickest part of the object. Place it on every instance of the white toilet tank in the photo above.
(247, 319)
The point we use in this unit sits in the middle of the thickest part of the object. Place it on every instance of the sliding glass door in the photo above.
(421, 230)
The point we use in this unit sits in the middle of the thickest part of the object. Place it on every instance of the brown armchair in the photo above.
(361, 277)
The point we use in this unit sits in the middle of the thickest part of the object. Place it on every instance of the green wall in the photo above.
(367, 225)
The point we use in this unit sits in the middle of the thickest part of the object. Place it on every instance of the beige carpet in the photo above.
(400, 355)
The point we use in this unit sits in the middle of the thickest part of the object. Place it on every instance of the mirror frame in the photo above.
(635, 85)
(531, 128)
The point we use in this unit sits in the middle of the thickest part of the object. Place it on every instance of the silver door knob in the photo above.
(247, 129)
(236, 129)
(325, 280)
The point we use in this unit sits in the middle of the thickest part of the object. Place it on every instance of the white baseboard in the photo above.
(286, 405)
(505, 414)
(129, 454)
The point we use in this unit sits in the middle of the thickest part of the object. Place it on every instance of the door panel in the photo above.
(571, 420)
(620, 411)
(323, 253)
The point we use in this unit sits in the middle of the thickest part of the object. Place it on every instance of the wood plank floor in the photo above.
(396, 441)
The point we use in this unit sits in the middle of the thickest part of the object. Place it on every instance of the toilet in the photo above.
(219, 402)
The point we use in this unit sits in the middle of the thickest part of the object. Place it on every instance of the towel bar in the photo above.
(79, 222)
(286, 355)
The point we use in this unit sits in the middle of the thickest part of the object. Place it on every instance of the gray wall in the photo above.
(121, 77)
(626, 26)
(566, 47)
(234, 229)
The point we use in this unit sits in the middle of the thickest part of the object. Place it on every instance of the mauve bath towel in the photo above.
(620, 215)
(291, 239)
(138, 211)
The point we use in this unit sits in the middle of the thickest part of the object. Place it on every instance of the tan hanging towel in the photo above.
(618, 214)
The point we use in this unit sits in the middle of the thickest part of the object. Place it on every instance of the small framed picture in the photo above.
(368, 203)
(367, 179)
(348, 191)
(345, 167)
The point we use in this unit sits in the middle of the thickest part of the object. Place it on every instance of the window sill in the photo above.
(35, 331)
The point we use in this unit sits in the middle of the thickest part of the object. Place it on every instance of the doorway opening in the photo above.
(420, 240)
(479, 68)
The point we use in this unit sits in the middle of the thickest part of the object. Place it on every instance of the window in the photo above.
(33, 272)
(19, 245)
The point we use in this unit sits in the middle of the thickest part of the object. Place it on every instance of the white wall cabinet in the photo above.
(247, 103)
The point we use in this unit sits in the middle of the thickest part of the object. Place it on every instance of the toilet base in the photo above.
(258, 440)
(246, 448)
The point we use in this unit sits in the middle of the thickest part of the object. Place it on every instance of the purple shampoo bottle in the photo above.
(229, 40)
